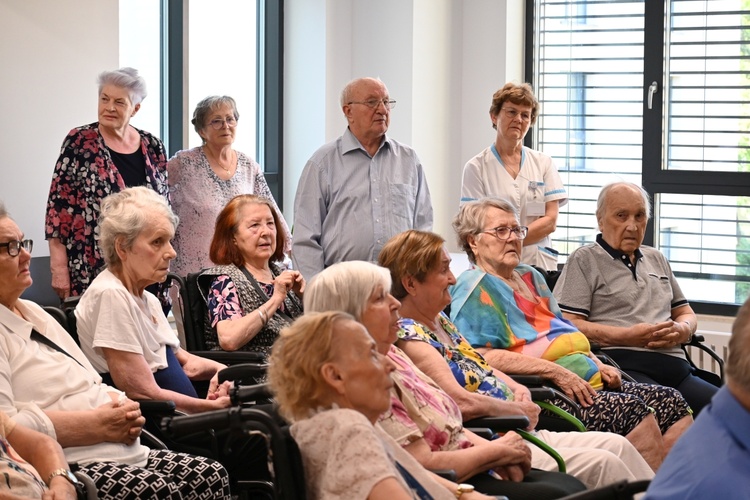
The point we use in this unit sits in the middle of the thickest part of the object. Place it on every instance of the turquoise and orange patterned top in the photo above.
(468, 366)
(491, 314)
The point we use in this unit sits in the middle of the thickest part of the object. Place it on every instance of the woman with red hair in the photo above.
(250, 297)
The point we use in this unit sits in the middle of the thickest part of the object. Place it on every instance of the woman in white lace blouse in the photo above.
(331, 382)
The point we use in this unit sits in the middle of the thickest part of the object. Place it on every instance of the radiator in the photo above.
(717, 341)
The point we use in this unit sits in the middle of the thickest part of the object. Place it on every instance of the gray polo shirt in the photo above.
(599, 283)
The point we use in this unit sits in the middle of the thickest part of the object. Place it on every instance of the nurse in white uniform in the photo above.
(528, 179)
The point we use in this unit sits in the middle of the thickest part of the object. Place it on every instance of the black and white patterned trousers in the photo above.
(620, 411)
(167, 475)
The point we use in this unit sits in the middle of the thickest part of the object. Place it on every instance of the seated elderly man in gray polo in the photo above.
(625, 297)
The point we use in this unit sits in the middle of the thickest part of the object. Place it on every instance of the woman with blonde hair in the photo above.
(330, 381)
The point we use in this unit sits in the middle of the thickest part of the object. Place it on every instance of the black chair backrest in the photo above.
(195, 314)
(65, 315)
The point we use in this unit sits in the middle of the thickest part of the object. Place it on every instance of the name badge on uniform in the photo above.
(535, 207)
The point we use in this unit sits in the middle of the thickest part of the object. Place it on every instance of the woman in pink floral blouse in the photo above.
(96, 160)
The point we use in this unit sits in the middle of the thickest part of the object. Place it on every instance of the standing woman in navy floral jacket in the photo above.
(97, 160)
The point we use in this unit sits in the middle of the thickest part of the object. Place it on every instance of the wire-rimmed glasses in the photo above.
(374, 103)
(503, 232)
(218, 123)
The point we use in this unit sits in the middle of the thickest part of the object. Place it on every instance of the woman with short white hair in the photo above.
(120, 325)
(96, 160)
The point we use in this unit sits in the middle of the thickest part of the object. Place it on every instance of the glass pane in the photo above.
(708, 105)
(707, 241)
(140, 48)
(222, 61)
(589, 81)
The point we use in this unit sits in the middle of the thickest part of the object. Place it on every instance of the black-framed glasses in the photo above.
(503, 232)
(218, 123)
(374, 103)
(14, 246)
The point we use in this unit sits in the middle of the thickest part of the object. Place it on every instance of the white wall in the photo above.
(51, 54)
(441, 60)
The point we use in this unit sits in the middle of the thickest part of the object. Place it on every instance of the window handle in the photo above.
(652, 89)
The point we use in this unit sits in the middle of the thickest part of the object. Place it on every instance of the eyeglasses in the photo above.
(14, 246)
(374, 103)
(503, 232)
(218, 123)
(513, 113)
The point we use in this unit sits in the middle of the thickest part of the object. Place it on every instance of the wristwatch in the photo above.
(464, 488)
(67, 475)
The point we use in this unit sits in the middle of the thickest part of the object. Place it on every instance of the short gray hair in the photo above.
(469, 221)
(738, 361)
(207, 105)
(346, 94)
(601, 202)
(345, 286)
(127, 213)
(126, 78)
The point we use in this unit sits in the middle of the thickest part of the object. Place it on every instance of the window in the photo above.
(140, 33)
(222, 61)
(593, 64)
(234, 47)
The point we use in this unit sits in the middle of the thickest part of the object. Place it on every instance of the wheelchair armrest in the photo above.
(448, 474)
(150, 407)
(248, 393)
(231, 357)
(542, 393)
(242, 371)
(483, 432)
(499, 424)
(529, 380)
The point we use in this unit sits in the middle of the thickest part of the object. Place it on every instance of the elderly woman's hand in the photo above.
(120, 422)
(286, 281)
(611, 376)
(574, 386)
(217, 390)
(514, 457)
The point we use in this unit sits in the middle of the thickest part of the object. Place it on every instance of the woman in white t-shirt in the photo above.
(121, 326)
(528, 179)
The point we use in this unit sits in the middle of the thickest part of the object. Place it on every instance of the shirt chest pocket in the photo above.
(403, 200)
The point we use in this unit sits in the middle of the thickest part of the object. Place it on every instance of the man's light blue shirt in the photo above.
(349, 204)
(712, 459)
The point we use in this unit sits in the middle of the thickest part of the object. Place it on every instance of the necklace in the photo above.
(217, 160)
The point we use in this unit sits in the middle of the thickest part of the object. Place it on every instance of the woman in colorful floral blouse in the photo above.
(96, 160)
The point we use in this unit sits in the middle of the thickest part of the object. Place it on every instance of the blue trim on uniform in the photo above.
(497, 156)
(554, 191)
(466, 198)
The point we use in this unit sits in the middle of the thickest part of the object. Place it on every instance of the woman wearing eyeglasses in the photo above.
(506, 311)
(527, 178)
(202, 180)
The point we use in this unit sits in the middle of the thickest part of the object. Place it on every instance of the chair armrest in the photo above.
(231, 357)
(157, 406)
(242, 371)
(542, 393)
(499, 424)
(249, 393)
(529, 380)
(448, 474)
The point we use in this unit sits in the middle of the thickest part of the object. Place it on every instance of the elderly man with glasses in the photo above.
(358, 191)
